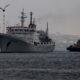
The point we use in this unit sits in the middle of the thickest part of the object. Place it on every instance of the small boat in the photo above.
(74, 47)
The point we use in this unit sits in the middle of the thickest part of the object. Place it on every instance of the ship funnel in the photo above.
(31, 17)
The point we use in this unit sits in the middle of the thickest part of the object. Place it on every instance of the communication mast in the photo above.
(47, 29)
(4, 10)
(23, 16)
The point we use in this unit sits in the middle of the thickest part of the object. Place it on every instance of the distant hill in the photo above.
(63, 41)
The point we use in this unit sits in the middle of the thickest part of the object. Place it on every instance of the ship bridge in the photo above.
(19, 30)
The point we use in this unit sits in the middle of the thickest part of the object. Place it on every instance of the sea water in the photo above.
(58, 65)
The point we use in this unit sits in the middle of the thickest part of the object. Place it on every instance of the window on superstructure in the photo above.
(16, 30)
(25, 30)
(21, 30)
(12, 30)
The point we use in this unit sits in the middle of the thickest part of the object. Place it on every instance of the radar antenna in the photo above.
(3, 9)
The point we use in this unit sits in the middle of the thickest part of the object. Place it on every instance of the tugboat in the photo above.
(74, 47)
(26, 38)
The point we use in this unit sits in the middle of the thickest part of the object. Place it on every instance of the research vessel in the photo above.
(26, 38)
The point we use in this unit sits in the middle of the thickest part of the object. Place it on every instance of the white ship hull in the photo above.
(12, 44)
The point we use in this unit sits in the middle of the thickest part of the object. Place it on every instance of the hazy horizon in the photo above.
(63, 15)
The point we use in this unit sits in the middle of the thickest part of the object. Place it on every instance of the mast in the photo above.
(33, 20)
(47, 29)
(23, 18)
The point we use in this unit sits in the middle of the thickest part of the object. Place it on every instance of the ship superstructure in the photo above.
(26, 38)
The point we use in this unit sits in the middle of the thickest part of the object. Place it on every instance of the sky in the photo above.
(63, 16)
